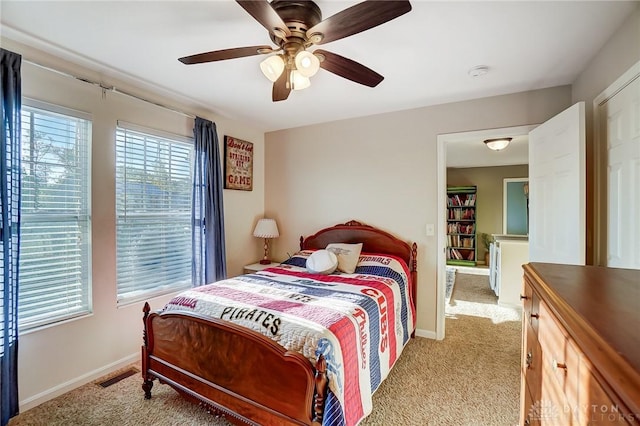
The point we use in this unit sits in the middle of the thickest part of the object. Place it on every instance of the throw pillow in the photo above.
(322, 262)
(348, 255)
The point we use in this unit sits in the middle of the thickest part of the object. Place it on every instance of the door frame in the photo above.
(441, 152)
(505, 204)
(600, 195)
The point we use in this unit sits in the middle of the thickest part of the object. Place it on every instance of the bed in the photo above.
(211, 357)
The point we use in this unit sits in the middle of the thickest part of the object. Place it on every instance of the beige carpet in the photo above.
(472, 296)
(469, 378)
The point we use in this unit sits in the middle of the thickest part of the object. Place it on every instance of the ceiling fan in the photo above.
(296, 25)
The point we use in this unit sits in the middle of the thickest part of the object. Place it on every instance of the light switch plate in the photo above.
(430, 230)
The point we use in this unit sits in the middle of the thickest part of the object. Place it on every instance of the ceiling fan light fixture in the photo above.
(497, 144)
(295, 26)
(307, 63)
(272, 67)
(299, 81)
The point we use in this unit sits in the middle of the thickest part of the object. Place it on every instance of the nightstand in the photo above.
(255, 267)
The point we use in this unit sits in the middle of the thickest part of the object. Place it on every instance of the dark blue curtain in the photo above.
(9, 231)
(209, 258)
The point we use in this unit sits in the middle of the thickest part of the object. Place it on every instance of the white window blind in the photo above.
(55, 228)
(153, 209)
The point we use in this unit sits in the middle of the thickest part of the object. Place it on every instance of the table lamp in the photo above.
(266, 228)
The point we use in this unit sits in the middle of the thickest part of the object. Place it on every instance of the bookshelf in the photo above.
(461, 226)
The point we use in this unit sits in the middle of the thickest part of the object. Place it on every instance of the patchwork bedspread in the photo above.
(360, 322)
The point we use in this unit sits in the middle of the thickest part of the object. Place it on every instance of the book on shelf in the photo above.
(464, 201)
(461, 228)
(456, 254)
(461, 225)
(461, 214)
(467, 243)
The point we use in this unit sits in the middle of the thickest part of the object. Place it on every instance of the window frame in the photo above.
(84, 220)
(181, 141)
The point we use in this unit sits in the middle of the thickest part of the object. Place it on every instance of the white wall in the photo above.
(60, 357)
(619, 54)
(616, 56)
(382, 170)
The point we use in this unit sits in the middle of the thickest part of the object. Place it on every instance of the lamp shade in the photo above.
(272, 67)
(497, 144)
(266, 228)
(307, 63)
(298, 81)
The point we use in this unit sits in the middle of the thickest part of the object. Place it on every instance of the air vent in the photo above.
(121, 376)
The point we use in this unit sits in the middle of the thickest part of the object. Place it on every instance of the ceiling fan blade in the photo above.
(349, 69)
(262, 12)
(281, 88)
(221, 55)
(358, 18)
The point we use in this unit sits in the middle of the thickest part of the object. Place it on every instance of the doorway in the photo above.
(469, 145)
(515, 206)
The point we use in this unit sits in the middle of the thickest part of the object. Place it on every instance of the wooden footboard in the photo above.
(233, 371)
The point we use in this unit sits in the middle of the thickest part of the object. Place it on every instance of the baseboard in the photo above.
(63, 388)
(426, 333)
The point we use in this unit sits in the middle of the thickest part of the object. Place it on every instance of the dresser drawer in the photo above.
(554, 407)
(529, 413)
(530, 302)
(527, 292)
(534, 315)
(595, 406)
(532, 362)
(560, 356)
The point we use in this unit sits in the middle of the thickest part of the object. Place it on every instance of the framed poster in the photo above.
(238, 164)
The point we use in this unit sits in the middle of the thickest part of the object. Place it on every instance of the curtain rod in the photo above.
(109, 88)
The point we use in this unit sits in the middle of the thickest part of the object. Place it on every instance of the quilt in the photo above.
(360, 322)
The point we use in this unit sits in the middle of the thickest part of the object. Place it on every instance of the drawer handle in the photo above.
(555, 365)
(535, 315)
(529, 359)
(523, 297)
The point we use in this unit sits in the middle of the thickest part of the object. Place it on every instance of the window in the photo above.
(153, 209)
(55, 229)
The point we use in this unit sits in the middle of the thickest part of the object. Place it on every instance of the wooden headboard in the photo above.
(373, 240)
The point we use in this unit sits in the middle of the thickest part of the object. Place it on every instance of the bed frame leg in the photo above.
(146, 387)
(321, 390)
(147, 384)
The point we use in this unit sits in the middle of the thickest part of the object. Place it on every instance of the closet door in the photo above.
(623, 176)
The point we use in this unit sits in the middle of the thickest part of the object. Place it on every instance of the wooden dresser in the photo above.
(580, 345)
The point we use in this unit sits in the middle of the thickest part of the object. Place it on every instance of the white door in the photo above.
(557, 188)
(623, 177)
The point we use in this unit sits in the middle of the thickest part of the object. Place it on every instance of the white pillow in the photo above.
(322, 262)
(348, 255)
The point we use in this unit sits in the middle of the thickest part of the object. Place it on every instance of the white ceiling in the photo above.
(424, 55)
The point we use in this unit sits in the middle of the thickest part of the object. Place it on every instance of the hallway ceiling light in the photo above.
(497, 144)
